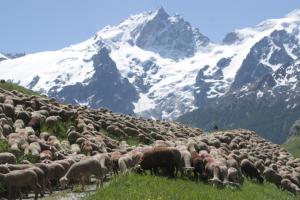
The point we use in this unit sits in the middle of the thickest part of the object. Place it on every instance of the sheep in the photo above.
(177, 159)
(83, 170)
(115, 156)
(24, 116)
(249, 170)
(35, 149)
(259, 164)
(8, 110)
(35, 123)
(159, 157)
(198, 165)
(186, 162)
(4, 169)
(272, 176)
(104, 160)
(8, 158)
(234, 177)
(286, 184)
(54, 172)
(52, 121)
(125, 163)
(21, 178)
(18, 124)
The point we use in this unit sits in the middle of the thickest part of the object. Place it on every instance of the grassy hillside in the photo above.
(293, 145)
(136, 187)
(12, 86)
(293, 142)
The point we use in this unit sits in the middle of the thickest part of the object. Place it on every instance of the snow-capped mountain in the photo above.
(2, 57)
(155, 52)
(160, 66)
(265, 92)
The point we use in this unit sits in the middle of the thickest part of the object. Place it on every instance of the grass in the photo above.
(60, 130)
(136, 187)
(4, 146)
(21, 156)
(293, 145)
(12, 86)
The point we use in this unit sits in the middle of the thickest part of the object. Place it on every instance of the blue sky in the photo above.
(39, 25)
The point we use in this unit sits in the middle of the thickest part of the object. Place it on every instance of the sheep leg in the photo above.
(82, 183)
(196, 176)
(20, 194)
(49, 186)
(9, 188)
(36, 188)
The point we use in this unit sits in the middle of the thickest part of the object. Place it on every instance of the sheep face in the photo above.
(63, 182)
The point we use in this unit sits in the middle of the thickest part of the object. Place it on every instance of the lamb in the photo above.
(249, 170)
(21, 178)
(83, 170)
(8, 158)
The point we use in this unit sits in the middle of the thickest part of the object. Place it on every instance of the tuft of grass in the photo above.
(293, 145)
(21, 156)
(60, 130)
(4, 146)
(12, 86)
(136, 187)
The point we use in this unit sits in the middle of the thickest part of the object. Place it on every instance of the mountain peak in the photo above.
(294, 14)
(161, 13)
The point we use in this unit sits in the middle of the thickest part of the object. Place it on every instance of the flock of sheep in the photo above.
(169, 148)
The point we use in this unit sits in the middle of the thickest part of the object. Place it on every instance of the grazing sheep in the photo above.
(159, 157)
(186, 162)
(259, 164)
(52, 121)
(35, 123)
(288, 185)
(198, 165)
(54, 172)
(8, 158)
(21, 178)
(234, 176)
(249, 170)
(104, 160)
(272, 176)
(82, 171)
(115, 156)
(125, 163)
